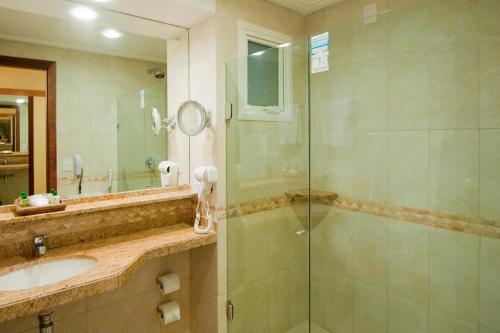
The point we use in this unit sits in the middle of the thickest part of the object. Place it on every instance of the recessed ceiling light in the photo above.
(20, 101)
(84, 13)
(111, 33)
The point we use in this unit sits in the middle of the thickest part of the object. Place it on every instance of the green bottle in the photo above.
(54, 197)
(24, 202)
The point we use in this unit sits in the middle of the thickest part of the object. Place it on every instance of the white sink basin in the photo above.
(45, 273)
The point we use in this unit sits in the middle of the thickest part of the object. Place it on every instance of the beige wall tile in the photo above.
(69, 310)
(203, 309)
(204, 267)
(369, 103)
(256, 246)
(103, 299)
(444, 21)
(490, 79)
(74, 324)
(369, 41)
(280, 241)
(369, 149)
(454, 171)
(19, 325)
(441, 322)
(370, 249)
(454, 85)
(299, 304)
(407, 91)
(107, 319)
(369, 309)
(256, 306)
(409, 169)
(454, 273)
(409, 260)
(141, 312)
(178, 263)
(235, 253)
(484, 329)
(338, 315)
(144, 279)
(404, 28)
(490, 283)
(318, 294)
(279, 301)
(490, 177)
(407, 316)
(332, 242)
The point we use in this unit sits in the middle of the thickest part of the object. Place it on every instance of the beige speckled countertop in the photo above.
(100, 203)
(117, 258)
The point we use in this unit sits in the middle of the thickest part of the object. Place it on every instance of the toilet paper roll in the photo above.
(169, 283)
(169, 312)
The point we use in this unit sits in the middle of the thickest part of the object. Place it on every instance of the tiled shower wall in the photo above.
(374, 274)
(409, 112)
(407, 115)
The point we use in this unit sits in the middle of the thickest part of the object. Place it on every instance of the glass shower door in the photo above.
(404, 130)
(139, 151)
(267, 193)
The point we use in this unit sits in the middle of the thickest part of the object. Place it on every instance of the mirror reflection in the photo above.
(77, 85)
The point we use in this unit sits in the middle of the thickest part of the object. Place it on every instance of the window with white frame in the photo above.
(264, 80)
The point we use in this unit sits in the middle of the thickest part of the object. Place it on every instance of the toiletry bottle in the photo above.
(24, 202)
(54, 198)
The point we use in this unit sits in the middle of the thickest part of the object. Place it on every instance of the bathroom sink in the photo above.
(45, 273)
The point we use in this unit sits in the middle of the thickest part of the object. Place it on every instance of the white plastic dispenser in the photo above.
(169, 283)
(169, 173)
(169, 312)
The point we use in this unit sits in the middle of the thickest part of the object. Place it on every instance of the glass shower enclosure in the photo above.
(371, 205)
(139, 151)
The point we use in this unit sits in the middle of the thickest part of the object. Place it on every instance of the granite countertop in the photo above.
(117, 258)
(105, 202)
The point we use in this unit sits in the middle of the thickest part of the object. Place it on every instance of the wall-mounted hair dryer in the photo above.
(204, 180)
(169, 173)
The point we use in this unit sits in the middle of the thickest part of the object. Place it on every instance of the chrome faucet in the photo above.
(40, 246)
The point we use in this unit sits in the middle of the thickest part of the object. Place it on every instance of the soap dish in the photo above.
(23, 211)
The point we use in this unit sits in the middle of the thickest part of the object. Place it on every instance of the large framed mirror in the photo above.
(77, 83)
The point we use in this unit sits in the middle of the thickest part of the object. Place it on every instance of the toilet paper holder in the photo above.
(169, 312)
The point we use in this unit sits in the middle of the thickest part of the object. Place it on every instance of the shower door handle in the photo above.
(300, 232)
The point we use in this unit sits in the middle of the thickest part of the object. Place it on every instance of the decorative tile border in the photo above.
(470, 225)
(104, 178)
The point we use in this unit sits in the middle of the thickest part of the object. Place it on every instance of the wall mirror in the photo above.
(77, 84)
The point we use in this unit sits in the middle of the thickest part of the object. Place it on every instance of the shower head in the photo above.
(157, 72)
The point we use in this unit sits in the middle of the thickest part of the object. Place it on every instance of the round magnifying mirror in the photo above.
(192, 118)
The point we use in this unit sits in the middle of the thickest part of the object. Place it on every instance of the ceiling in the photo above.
(305, 6)
(182, 13)
(50, 24)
